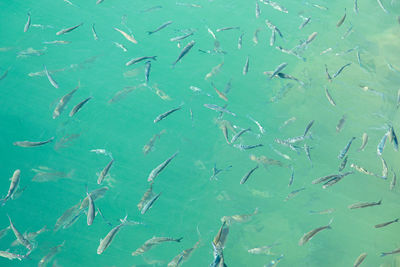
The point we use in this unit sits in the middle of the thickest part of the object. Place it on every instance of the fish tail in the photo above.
(154, 58)
(149, 33)
(383, 254)
(179, 239)
(330, 222)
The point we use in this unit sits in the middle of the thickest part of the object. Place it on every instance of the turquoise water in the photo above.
(191, 204)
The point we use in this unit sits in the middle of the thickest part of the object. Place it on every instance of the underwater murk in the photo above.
(199, 133)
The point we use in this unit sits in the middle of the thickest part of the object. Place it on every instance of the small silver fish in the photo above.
(104, 172)
(63, 102)
(78, 106)
(50, 78)
(381, 145)
(160, 27)
(308, 236)
(360, 205)
(340, 124)
(32, 144)
(340, 22)
(13, 186)
(278, 69)
(247, 175)
(155, 172)
(165, 114)
(184, 51)
(28, 23)
(21, 239)
(360, 258)
(330, 99)
(346, 149)
(364, 141)
(63, 31)
(150, 203)
(246, 66)
(94, 33)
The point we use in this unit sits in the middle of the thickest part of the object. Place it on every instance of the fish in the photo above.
(308, 236)
(76, 108)
(150, 203)
(262, 130)
(393, 138)
(4, 74)
(308, 127)
(343, 164)
(180, 38)
(160, 28)
(105, 243)
(136, 60)
(240, 40)
(344, 151)
(212, 33)
(381, 5)
(21, 239)
(152, 242)
(12, 256)
(219, 109)
(393, 182)
(335, 179)
(340, 124)
(361, 169)
(91, 210)
(311, 37)
(4, 231)
(360, 258)
(247, 175)
(272, 38)
(328, 76)
(151, 9)
(32, 144)
(386, 223)
(165, 114)
(57, 42)
(227, 28)
(94, 33)
(99, 2)
(364, 142)
(50, 78)
(247, 147)
(381, 145)
(155, 172)
(146, 197)
(360, 205)
(66, 216)
(340, 22)
(219, 93)
(184, 51)
(261, 250)
(327, 211)
(347, 33)
(121, 46)
(384, 169)
(275, 5)
(291, 180)
(340, 70)
(293, 193)
(246, 66)
(391, 252)
(258, 11)
(237, 135)
(304, 23)
(278, 69)
(147, 69)
(95, 194)
(324, 178)
(183, 256)
(63, 31)
(13, 186)
(122, 93)
(28, 23)
(149, 146)
(275, 262)
(225, 133)
(104, 173)
(355, 6)
(238, 218)
(330, 99)
(30, 236)
(215, 70)
(63, 102)
(307, 151)
(53, 251)
(129, 37)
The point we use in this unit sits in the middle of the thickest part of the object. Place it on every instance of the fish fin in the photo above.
(179, 239)
(383, 254)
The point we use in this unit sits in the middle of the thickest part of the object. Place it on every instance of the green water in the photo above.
(191, 205)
